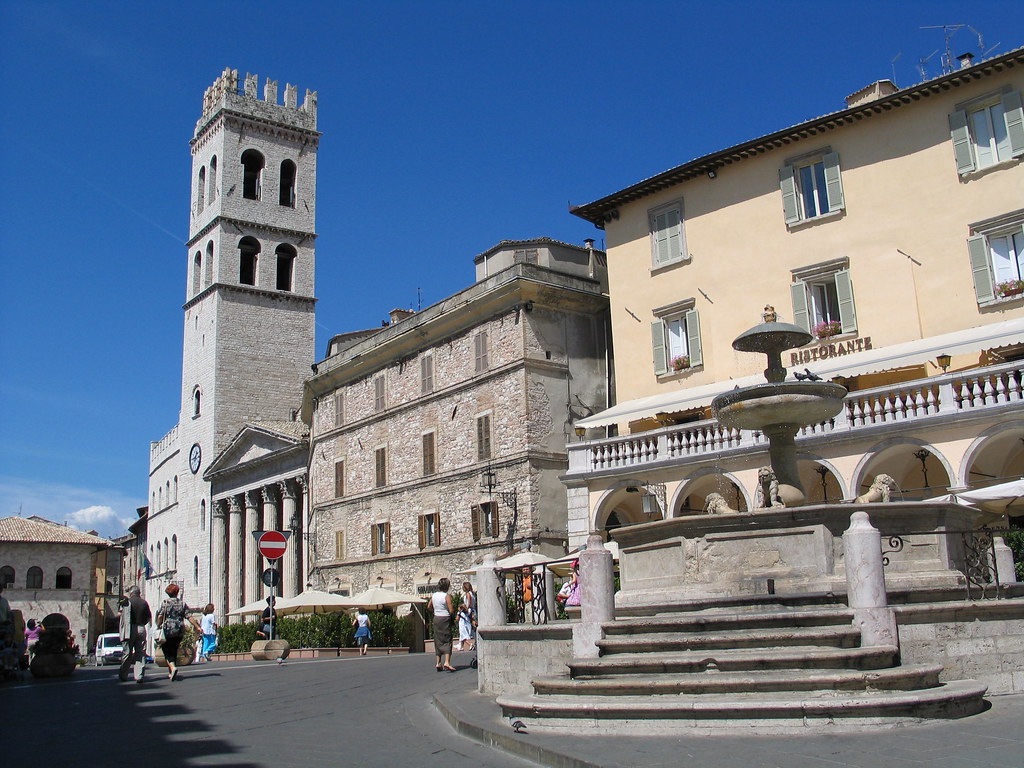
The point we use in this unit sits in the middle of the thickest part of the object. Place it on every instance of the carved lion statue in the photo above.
(881, 490)
(715, 504)
(767, 495)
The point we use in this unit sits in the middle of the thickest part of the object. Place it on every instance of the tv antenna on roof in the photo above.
(892, 65)
(948, 30)
(921, 64)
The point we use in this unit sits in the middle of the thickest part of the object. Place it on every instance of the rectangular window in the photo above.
(426, 374)
(378, 394)
(675, 338)
(339, 479)
(823, 299)
(997, 258)
(380, 538)
(339, 408)
(668, 241)
(430, 530)
(339, 545)
(811, 187)
(429, 463)
(380, 467)
(483, 437)
(526, 256)
(480, 352)
(987, 131)
(485, 520)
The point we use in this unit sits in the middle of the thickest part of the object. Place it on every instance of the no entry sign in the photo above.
(272, 544)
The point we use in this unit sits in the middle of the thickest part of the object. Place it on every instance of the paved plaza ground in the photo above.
(381, 711)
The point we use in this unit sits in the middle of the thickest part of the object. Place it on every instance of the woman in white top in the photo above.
(441, 604)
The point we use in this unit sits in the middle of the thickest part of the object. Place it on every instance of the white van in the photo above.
(109, 649)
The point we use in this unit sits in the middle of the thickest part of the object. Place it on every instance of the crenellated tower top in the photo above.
(227, 93)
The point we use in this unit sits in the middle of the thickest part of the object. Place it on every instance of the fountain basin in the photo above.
(763, 405)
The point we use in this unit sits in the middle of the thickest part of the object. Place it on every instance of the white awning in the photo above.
(902, 355)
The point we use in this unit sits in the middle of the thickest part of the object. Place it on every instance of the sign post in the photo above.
(272, 545)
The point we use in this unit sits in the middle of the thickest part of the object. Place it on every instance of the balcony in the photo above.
(921, 403)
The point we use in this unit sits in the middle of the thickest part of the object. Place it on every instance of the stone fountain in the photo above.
(778, 408)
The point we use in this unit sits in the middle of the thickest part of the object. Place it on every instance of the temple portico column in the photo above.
(290, 585)
(302, 545)
(271, 517)
(236, 552)
(219, 556)
(253, 522)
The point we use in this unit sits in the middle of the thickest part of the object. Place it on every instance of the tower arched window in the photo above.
(202, 515)
(174, 552)
(175, 489)
(158, 560)
(168, 493)
(195, 571)
(197, 402)
(197, 272)
(208, 275)
(249, 251)
(6, 576)
(213, 179)
(287, 194)
(160, 497)
(285, 266)
(63, 580)
(34, 578)
(201, 190)
(252, 174)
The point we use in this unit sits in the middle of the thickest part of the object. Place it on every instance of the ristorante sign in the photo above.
(826, 351)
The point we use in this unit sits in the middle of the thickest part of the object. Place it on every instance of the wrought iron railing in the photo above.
(978, 563)
(526, 594)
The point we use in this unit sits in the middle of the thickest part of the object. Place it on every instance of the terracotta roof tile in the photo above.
(37, 529)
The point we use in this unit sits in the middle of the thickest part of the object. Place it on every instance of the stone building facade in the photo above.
(50, 568)
(442, 436)
(248, 325)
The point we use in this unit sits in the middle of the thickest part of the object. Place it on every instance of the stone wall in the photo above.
(981, 640)
(510, 657)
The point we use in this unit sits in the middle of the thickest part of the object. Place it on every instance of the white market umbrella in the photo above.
(1002, 499)
(312, 601)
(525, 559)
(252, 609)
(378, 597)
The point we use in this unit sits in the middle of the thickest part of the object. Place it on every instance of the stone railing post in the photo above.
(865, 583)
(1004, 561)
(597, 597)
(490, 591)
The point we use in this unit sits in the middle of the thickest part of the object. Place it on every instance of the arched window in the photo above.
(213, 179)
(6, 576)
(209, 265)
(175, 489)
(158, 564)
(152, 501)
(195, 571)
(248, 251)
(252, 174)
(197, 272)
(285, 266)
(287, 196)
(34, 578)
(63, 580)
(201, 190)
(160, 497)
(174, 552)
(168, 493)
(202, 515)
(197, 402)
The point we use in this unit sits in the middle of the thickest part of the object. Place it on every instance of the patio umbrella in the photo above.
(378, 597)
(252, 609)
(312, 601)
(1002, 499)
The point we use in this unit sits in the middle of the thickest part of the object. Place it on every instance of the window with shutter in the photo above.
(429, 464)
(675, 339)
(380, 467)
(480, 352)
(822, 297)
(426, 374)
(987, 131)
(811, 186)
(339, 409)
(339, 479)
(483, 437)
(996, 253)
(339, 545)
(668, 241)
(378, 394)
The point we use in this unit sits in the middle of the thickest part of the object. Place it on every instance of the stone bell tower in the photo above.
(249, 330)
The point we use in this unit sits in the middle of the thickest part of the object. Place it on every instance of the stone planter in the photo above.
(53, 664)
(270, 650)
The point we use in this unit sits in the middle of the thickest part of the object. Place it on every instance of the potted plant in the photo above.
(680, 363)
(826, 329)
(1009, 288)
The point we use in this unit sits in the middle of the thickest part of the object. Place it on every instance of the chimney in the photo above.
(400, 314)
(965, 59)
(877, 90)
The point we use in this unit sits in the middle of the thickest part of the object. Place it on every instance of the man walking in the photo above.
(135, 615)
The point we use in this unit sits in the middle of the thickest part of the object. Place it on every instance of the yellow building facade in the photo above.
(893, 231)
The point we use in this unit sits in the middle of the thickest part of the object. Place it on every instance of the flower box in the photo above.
(827, 329)
(1009, 288)
(680, 363)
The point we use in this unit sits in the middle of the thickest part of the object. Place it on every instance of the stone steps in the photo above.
(714, 622)
(835, 636)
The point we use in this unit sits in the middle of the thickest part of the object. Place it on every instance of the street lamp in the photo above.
(943, 361)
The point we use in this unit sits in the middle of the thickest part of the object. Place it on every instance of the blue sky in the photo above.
(447, 127)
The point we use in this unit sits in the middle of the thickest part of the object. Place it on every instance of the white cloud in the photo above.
(105, 511)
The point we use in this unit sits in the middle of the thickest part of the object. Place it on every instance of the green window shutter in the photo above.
(1014, 115)
(693, 346)
(847, 309)
(981, 269)
(961, 135)
(790, 202)
(658, 343)
(801, 314)
(833, 182)
(666, 228)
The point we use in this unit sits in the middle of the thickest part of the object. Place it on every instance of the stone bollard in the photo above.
(865, 583)
(597, 597)
(1005, 572)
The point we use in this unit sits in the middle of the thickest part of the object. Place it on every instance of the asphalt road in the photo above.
(369, 711)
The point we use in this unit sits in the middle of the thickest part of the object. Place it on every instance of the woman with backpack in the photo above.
(171, 620)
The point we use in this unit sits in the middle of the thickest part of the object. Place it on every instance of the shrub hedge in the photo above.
(321, 630)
